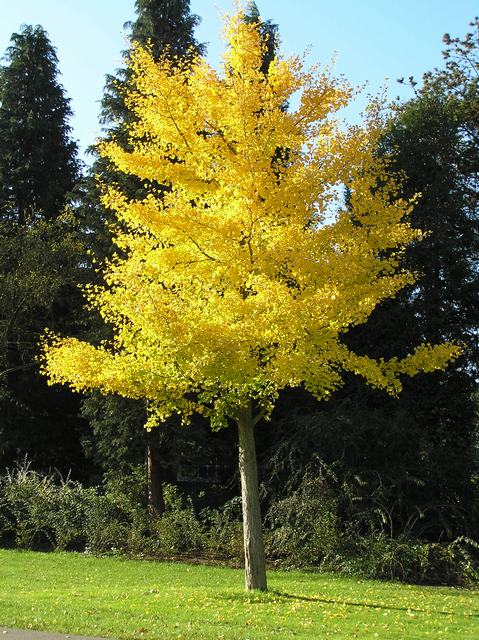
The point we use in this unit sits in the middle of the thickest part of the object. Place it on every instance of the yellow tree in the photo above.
(236, 283)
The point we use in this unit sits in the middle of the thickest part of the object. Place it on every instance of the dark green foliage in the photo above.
(39, 271)
(365, 507)
(385, 470)
(432, 140)
(48, 512)
(268, 30)
(224, 530)
(406, 466)
(41, 511)
(429, 146)
(415, 561)
(38, 164)
(303, 527)
(45, 511)
(167, 27)
(40, 251)
(116, 518)
(458, 84)
(117, 439)
(178, 531)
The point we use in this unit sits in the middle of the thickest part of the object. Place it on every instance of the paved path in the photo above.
(20, 634)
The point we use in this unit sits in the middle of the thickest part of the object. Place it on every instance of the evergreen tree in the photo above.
(414, 456)
(165, 26)
(268, 30)
(39, 250)
(433, 140)
(38, 163)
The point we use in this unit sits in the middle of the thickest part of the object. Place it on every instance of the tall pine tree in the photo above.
(39, 249)
(38, 163)
(166, 26)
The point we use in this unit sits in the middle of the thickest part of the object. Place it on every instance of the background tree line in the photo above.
(373, 466)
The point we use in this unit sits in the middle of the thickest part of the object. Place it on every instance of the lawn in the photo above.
(119, 598)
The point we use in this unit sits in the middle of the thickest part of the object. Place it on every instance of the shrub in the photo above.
(117, 518)
(410, 560)
(30, 501)
(106, 528)
(224, 530)
(178, 530)
(41, 510)
(68, 516)
(38, 511)
(303, 527)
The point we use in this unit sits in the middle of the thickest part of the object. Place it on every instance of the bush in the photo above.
(47, 511)
(31, 508)
(178, 531)
(119, 519)
(106, 530)
(68, 517)
(410, 560)
(304, 530)
(224, 530)
(303, 527)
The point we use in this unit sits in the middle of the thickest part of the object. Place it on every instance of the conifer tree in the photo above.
(433, 140)
(268, 31)
(39, 248)
(38, 162)
(167, 27)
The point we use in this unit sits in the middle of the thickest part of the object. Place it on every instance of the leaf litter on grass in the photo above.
(126, 599)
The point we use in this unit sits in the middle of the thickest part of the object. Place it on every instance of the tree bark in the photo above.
(255, 566)
(156, 504)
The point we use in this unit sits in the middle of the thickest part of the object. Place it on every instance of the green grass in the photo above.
(118, 598)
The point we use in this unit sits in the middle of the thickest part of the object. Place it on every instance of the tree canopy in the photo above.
(232, 276)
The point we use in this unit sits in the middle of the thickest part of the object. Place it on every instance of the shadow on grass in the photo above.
(273, 595)
(369, 605)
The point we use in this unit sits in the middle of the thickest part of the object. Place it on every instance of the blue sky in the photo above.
(373, 39)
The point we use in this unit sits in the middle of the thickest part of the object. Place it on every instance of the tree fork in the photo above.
(255, 565)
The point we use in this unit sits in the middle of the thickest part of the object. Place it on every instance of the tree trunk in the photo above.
(255, 566)
(156, 504)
